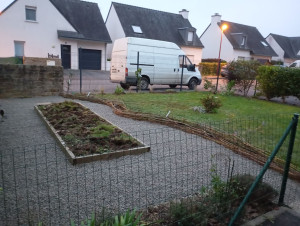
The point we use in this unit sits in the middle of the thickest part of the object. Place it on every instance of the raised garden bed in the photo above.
(84, 136)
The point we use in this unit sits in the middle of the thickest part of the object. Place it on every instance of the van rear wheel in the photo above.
(193, 84)
(144, 83)
(125, 86)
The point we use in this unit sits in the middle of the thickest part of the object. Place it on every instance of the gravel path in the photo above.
(40, 185)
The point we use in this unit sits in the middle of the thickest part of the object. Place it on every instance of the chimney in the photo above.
(184, 13)
(215, 18)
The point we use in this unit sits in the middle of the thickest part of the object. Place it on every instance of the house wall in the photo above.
(241, 53)
(30, 80)
(114, 28)
(194, 54)
(276, 47)
(211, 40)
(40, 37)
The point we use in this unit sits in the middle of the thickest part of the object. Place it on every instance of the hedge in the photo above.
(278, 81)
(209, 68)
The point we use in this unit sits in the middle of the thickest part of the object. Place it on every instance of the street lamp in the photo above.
(223, 28)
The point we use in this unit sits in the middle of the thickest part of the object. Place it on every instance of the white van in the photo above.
(160, 62)
(295, 64)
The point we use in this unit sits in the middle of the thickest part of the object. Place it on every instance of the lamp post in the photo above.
(223, 28)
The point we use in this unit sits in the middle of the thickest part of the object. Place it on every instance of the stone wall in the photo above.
(30, 80)
(42, 61)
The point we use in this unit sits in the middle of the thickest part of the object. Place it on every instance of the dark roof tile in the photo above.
(85, 17)
(155, 24)
(253, 39)
(290, 45)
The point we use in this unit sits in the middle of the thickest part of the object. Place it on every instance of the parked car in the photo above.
(224, 71)
(295, 64)
(161, 62)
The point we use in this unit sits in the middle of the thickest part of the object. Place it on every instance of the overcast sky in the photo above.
(269, 16)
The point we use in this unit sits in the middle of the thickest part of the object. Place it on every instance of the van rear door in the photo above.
(118, 66)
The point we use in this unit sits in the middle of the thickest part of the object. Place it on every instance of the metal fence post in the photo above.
(137, 69)
(288, 159)
(264, 169)
(80, 70)
(183, 60)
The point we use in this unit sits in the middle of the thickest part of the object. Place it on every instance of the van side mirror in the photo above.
(191, 67)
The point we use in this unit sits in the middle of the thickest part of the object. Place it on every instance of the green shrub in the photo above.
(279, 82)
(209, 68)
(208, 85)
(243, 73)
(119, 90)
(211, 103)
(229, 89)
(128, 219)
(213, 60)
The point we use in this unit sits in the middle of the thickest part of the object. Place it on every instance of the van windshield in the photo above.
(185, 61)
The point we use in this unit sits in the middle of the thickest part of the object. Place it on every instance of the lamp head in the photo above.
(224, 27)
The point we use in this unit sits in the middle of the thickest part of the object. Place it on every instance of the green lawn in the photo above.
(258, 122)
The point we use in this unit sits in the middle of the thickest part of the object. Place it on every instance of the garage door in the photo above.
(90, 59)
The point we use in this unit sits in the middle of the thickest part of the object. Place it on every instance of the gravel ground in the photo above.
(40, 185)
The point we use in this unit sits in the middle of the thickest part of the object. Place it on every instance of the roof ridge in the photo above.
(146, 8)
(238, 23)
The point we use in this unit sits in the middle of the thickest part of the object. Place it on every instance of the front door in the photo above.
(66, 56)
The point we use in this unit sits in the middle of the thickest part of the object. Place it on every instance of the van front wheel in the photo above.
(193, 84)
(144, 83)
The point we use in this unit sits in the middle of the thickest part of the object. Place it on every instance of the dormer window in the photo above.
(30, 13)
(265, 44)
(243, 41)
(137, 29)
(190, 36)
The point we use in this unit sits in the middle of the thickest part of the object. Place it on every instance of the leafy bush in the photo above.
(127, 219)
(208, 85)
(213, 60)
(229, 88)
(279, 82)
(243, 73)
(119, 90)
(210, 68)
(211, 103)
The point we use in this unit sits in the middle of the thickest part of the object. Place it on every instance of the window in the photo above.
(30, 13)
(137, 29)
(241, 58)
(243, 41)
(190, 36)
(185, 61)
(265, 44)
(19, 49)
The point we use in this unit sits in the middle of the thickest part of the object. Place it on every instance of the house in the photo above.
(40, 30)
(131, 21)
(239, 42)
(287, 48)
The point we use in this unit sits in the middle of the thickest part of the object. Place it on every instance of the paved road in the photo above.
(39, 183)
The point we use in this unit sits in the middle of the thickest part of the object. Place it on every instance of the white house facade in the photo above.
(46, 28)
(239, 42)
(286, 48)
(155, 25)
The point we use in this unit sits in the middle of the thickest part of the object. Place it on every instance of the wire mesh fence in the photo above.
(182, 171)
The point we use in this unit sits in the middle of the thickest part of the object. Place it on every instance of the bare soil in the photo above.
(83, 131)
